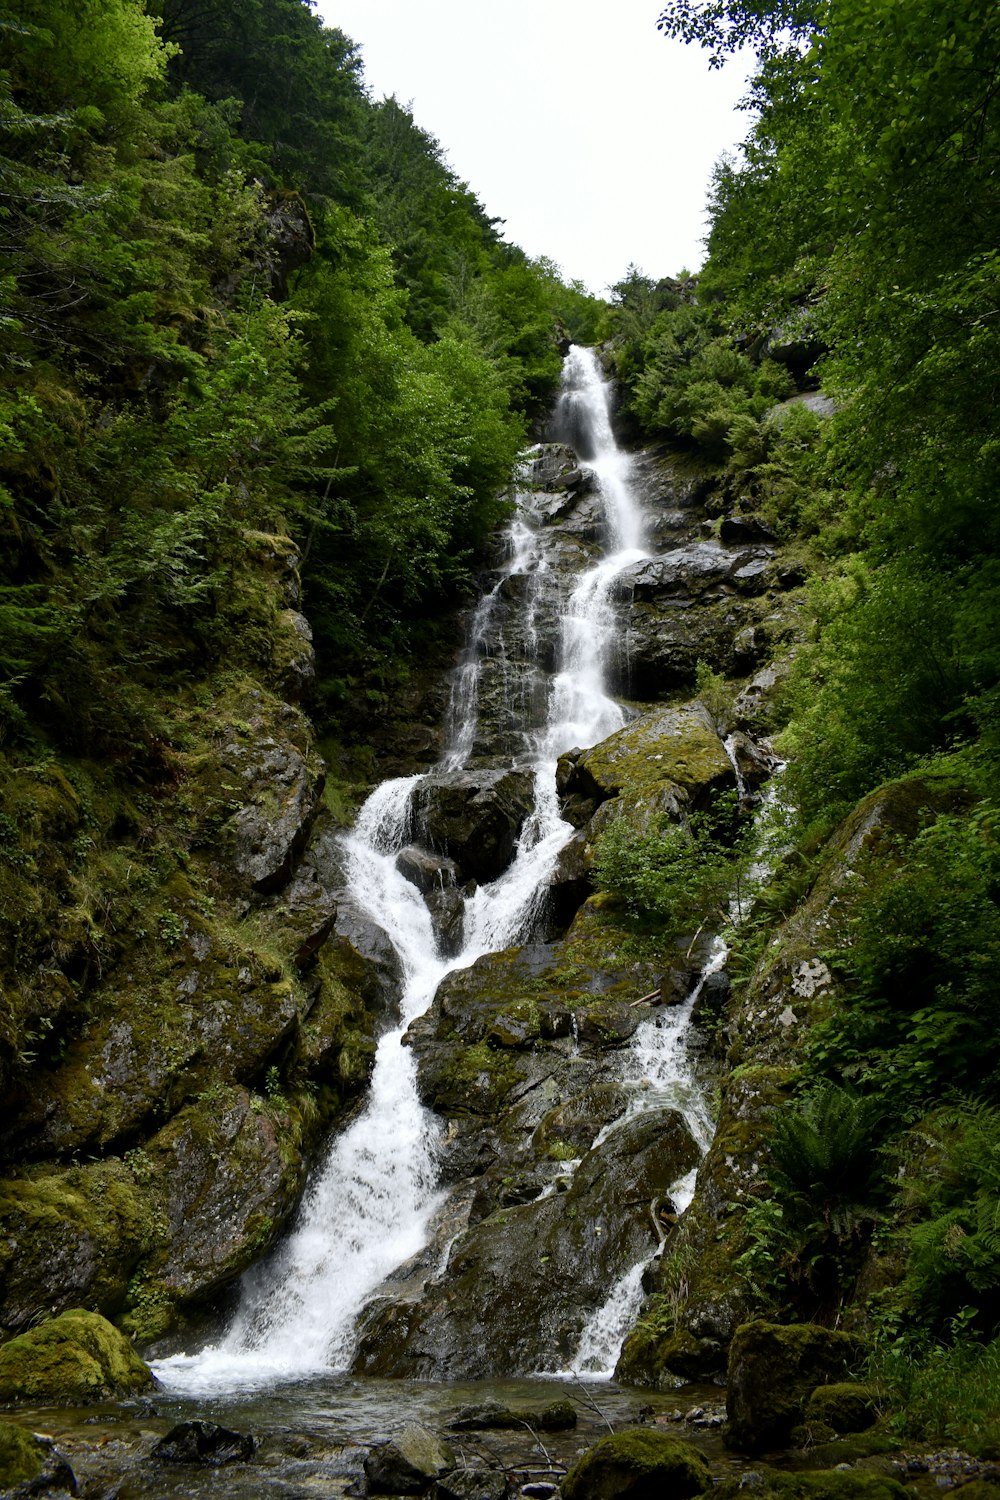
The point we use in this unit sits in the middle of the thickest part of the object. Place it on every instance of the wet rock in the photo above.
(520, 1284)
(638, 1465)
(277, 778)
(373, 946)
(78, 1356)
(204, 1443)
(31, 1465)
(755, 762)
(428, 872)
(475, 817)
(773, 1370)
(409, 1464)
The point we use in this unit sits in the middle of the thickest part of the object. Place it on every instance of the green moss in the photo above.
(820, 1484)
(22, 1456)
(76, 1357)
(640, 1465)
(845, 1406)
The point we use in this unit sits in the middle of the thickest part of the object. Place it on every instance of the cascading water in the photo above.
(368, 1209)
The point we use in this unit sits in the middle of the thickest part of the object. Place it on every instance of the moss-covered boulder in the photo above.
(638, 1465)
(409, 1464)
(22, 1456)
(74, 1358)
(675, 746)
(846, 1406)
(773, 1370)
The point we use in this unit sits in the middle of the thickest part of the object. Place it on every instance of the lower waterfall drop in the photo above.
(368, 1207)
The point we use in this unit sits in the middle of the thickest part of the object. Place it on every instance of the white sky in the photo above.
(575, 121)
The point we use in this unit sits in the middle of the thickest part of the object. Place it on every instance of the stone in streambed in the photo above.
(638, 1465)
(486, 1416)
(76, 1357)
(205, 1443)
(409, 1464)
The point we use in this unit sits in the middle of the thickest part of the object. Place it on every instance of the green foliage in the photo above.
(952, 1281)
(677, 874)
(923, 923)
(806, 1235)
(944, 1394)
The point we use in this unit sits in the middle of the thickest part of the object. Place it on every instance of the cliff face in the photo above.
(175, 1042)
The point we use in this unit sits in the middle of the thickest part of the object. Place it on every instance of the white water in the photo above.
(659, 1064)
(368, 1209)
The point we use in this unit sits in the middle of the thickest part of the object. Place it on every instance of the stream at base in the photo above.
(313, 1435)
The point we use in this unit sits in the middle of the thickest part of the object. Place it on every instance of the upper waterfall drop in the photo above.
(583, 420)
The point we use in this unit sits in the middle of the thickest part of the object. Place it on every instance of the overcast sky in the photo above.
(573, 120)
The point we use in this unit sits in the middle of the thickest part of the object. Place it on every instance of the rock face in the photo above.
(76, 1357)
(474, 818)
(204, 1005)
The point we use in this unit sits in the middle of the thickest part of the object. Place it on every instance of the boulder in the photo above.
(677, 746)
(409, 1464)
(475, 817)
(638, 1465)
(204, 1443)
(76, 1357)
(773, 1370)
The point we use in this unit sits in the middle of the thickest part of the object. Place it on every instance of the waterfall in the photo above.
(368, 1208)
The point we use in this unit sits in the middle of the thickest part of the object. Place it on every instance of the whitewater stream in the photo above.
(368, 1207)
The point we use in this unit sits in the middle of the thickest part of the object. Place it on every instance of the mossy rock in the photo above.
(22, 1456)
(640, 1465)
(773, 1370)
(678, 745)
(74, 1358)
(818, 1484)
(73, 1234)
(845, 1406)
